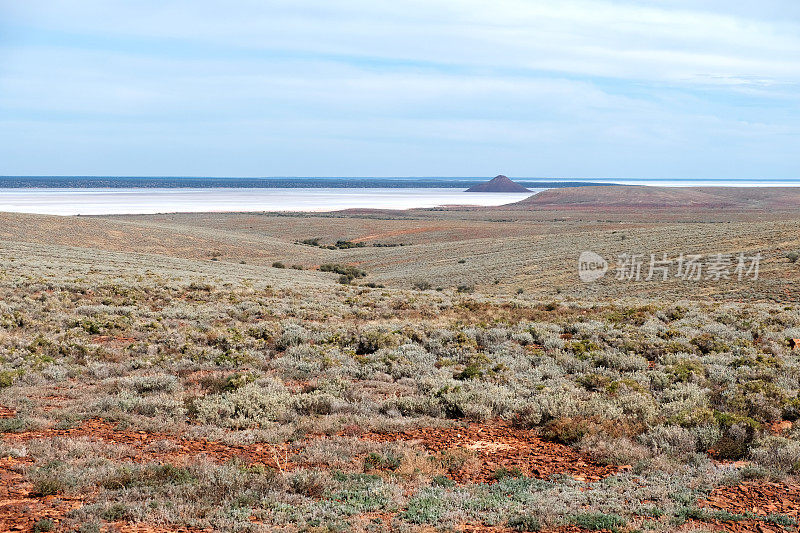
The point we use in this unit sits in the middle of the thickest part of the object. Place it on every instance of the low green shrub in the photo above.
(504, 473)
(599, 521)
(42, 525)
(347, 273)
(442, 481)
(525, 523)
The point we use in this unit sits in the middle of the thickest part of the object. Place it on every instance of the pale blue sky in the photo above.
(559, 88)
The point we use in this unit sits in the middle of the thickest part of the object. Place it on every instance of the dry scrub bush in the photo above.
(572, 430)
(778, 454)
(163, 407)
(672, 441)
(615, 450)
(292, 335)
(255, 404)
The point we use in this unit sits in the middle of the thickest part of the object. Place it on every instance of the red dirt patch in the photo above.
(492, 446)
(757, 497)
(398, 233)
(19, 509)
(143, 528)
(498, 445)
(780, 427)
(276, 456)
(112, 339)
(480, 528)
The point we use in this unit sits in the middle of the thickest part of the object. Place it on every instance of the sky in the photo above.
(528, 88)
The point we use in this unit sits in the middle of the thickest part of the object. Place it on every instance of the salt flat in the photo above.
(91, 201)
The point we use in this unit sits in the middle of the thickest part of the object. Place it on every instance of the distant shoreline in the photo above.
(168, 182)
(212, 182)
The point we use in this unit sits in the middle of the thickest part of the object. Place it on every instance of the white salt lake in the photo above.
(111, 201)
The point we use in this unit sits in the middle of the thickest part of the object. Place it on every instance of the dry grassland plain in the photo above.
(424, 370)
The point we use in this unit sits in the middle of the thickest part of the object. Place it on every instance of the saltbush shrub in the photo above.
(255, 404)
(673, 441)
(348, 272)
(778, 453)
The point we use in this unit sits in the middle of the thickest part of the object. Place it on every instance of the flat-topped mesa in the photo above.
(498, 184)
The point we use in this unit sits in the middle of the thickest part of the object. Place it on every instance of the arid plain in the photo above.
(424, 370)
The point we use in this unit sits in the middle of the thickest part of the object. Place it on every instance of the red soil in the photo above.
(492, 446)
(758, 497)
(489, 446)
(276, 456)
(680, 198)
(498, 445)
(21, 508)
(399, 233)
(112, 339)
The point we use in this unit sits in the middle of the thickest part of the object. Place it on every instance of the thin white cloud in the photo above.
(554, 87)
(592, 37)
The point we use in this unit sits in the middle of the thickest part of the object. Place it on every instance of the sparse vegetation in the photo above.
(599, 521)
(345, 244)
(45, 524)
(347, 273)
(525, 523)
(234, 397)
